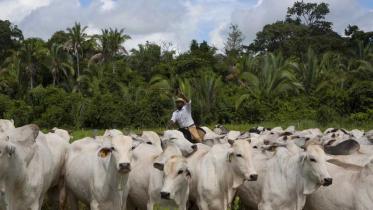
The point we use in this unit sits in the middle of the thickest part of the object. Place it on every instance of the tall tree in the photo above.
(310, 14)
(110, 45)
(59, 63)
(77, 36)
(10, 37)
(32, 53)
(233, 45)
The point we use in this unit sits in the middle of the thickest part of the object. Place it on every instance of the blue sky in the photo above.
(175, 21)
(367, 3)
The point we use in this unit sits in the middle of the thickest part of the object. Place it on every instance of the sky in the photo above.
(175, 21)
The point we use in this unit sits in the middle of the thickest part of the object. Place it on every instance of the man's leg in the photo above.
(195, 134)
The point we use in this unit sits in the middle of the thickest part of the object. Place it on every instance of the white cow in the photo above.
(220, 172)
(97, 174)
(6, 125)
(162, 177)
(64, 134)
(112, 132)
(30, 163)
(352, 189)
(138, 181)
(289, 178)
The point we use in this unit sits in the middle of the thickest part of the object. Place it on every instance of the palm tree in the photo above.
(272, 79)
(32, 55)
(206, 90)
(59, 64)
(77, 37)
(310, 71)
(110, 45)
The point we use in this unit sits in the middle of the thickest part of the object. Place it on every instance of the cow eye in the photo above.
(238, 155)
(112, 149)
(149, 142)
(133, 147)
(180, 172)
(313, 160)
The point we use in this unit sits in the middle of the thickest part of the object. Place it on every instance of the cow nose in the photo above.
(165, 195)
(194, 147)
(328, 181)
(125, 166)
(253, 177)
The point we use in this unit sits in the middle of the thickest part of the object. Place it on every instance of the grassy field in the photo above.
(299, 125)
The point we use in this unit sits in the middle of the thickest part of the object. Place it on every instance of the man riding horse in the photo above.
(182, 116)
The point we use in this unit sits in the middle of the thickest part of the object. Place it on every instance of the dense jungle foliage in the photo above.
(295, 69)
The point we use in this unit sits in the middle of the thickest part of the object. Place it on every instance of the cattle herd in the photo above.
(268, 169)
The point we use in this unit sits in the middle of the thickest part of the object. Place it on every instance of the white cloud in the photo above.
(178, 21)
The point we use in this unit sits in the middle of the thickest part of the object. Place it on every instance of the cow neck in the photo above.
(16, 175)
(104, 173)
(310, 183)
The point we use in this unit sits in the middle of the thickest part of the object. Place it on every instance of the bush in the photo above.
(326, 115)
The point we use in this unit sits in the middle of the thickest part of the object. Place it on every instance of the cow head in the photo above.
(240, 158)
(186, 147)
(176, 177)
(314, 168)
(5, 125)
(170, 151)
(119, 148)
(7, 151)
(18, 142)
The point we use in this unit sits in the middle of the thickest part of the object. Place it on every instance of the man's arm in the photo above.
(181, 95)
(171, 124)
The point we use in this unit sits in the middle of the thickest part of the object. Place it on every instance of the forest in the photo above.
(296, 69)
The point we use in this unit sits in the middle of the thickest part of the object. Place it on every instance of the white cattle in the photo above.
(97, 174)
(6, 125)
(220, 172)
(30, 164)
(139, 183)
(112, 132)
(177, 138)
(352, 189)
(161, 191)
(64, 134)
(289, 178)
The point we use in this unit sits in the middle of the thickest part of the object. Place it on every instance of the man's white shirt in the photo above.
(183, 117)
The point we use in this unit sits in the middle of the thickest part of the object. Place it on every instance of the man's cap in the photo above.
(180, 100)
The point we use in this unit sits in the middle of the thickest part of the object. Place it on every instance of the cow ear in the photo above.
(302, 157)
(104, 152)
(230, 156)
(10, 149)
(188, 174)
(158, 166)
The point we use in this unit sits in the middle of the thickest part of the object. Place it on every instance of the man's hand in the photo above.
(170, 124)
(181, 95)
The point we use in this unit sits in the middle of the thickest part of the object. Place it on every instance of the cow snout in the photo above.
(194, 147)
(165, 195)
(253, 177)
(125, 167)
(328, 181)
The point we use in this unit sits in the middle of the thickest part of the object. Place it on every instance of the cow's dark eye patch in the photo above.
(238, 155)
(180, 172)
(313, 160)
(149, 142)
